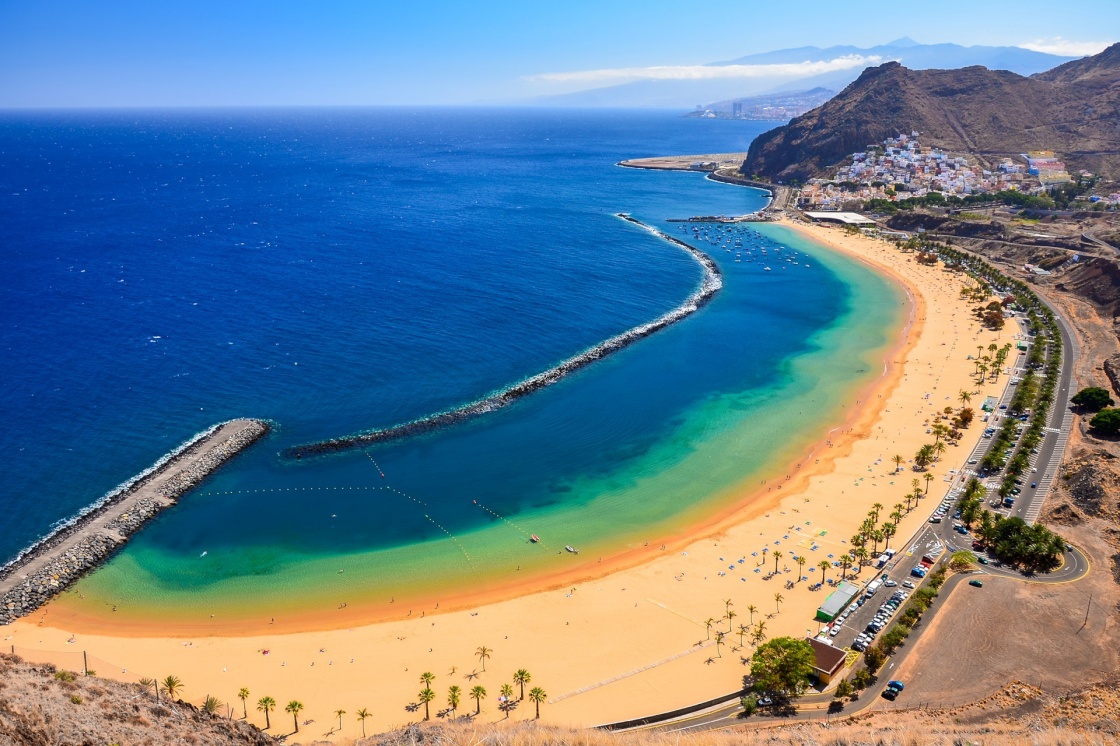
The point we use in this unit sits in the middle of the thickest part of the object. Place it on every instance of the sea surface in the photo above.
(335, 271)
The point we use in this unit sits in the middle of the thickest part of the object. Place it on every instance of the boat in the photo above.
(534, 538)
(767, 269)
(571, 549)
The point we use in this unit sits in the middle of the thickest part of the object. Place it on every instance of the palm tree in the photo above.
(172, 685)
(727, 605)
(742, 633)
(876, 537)
(506, 693)
(538, 695)
(454, 694)
(362, 715)
(294, 707)
(778, 598)
(759, 632)
(800, 566)
(719, 641)
(875, 511)
(340, 713)
(929, 478)
(965, 397)
(522, 677)
(730, 615)
(146, 682)
(427, 678)
(243, 695)
(889, 530)
(938, 449)
(777, 556)
(845, 565)
(709, 623)
(861, 554)
(824, 565)
(752, 609)
(211, 704)
(483, 653)
(266, 705)
(426, 695)
(478, 693)
(898, 462)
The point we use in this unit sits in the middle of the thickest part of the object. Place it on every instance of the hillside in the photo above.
(1073, 109)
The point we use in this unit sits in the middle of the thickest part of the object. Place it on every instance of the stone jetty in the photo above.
(46, 568)
(710, 285)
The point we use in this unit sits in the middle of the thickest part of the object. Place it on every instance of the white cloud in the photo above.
(1065, 47)
(707, 72)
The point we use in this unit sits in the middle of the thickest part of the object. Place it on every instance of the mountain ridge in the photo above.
(1073, 109)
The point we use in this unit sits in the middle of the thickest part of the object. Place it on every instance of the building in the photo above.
(848, 218)
(829, 660)
(837, 601)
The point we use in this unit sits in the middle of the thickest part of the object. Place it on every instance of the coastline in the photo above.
(661, 599)
(710, 284)
(81, 543)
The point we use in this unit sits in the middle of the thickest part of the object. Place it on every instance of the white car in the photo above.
(907, 584)
(889, 583)
(834, 631)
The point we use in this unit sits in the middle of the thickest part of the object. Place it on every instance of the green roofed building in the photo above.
(837, 601)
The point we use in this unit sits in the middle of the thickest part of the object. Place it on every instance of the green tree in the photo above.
(1092, 399)
(483, 653)
(751, 609)
(823, 565)
(521, 677)
(172, 685)
(778, 598)
(266, 705)
(243, 695)
(478, 693)
(537, 695)
(454, 696)
(426, 696)
(506, 694)
(844, 688)
(749, 704)
(340, 713)
(777, 556)
(362, 715)
(294, 708)
(211, 705)
(862, 679)
(783, 665)
(873, 658)
(427, 678)
(1106, 422)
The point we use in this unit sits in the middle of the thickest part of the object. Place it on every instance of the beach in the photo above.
(628, 640)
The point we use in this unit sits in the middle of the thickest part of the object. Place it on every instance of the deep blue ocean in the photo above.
(339, 270)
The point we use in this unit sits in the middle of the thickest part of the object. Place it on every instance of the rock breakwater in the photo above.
(79, 545)
(710, 285)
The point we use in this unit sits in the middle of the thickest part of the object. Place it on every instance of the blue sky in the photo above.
(172, 53)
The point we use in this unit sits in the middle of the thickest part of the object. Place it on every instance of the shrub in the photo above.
(1106, 422)
(76, 698)
(862, 679)
(750, 704)
(1092, 398)
(844, 688)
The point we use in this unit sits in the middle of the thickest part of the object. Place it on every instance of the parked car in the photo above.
(907, 584)
(976, 583)
(890, 583)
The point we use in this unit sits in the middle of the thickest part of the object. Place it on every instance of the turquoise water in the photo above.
(339, 271)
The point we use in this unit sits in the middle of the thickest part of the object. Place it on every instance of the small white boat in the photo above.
(571, 549)
(767, 269)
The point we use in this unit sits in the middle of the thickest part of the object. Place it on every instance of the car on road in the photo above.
(765, 701)
(894, 688)
(976, 583)
(981, 559)
(1034, 485)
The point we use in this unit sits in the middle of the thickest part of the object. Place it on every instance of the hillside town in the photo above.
(901, 167)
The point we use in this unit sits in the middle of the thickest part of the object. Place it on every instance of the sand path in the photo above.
(632, 642)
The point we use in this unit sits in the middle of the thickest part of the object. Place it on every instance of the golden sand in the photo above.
(634, 641)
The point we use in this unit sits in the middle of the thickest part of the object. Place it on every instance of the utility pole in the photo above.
(85, 664)
(1087, 606)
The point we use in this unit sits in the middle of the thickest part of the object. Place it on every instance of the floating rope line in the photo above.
(508, 522)
(375, 464)
(454, 539)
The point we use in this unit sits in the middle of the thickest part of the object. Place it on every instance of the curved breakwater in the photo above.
(79, 544)
(709, 286)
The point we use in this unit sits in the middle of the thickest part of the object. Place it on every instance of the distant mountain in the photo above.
(1073, 109)
(692, 93)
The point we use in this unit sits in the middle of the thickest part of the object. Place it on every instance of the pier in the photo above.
(45, 569)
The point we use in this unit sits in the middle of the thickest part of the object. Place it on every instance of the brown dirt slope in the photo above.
(986, 113)
(40, 708)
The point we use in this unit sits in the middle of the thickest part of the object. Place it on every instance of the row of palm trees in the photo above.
(521, 677)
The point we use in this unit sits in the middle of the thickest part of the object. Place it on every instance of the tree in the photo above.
(522, 677)
(172, 685)
(719, 641)
(964, 397)
(898, 462)
(266, 705)
(294, 708)
(844, 688)
(889, 530)
(777, 556)
(824, 565)
(929, 478)
(483, 653)
(924, 456)
(340, 713)
(862, 679)
(426, 695)
(730, 616)
(427, 678)
(845, 565)
(783, 665)
(742, 634)
(874, 658)
(778, 598)
(1092, 399)
(800, 560)
(478, 693)
(1106, 422)
(506, 694)
(146, 682)
(875, 512)
(751, 608)
(211, 705)
(243, 695)
(454, 695)
(362, 715)
(709, 623)
(538, 695)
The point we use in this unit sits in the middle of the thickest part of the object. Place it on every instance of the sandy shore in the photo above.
(631, 642)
